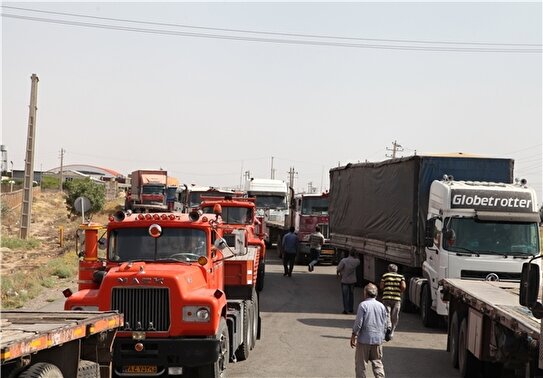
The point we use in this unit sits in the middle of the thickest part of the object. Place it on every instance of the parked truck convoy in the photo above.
(273, 207)
(186, 284)
(309, 211)
(190, 196)
(436, 217)
(57, 344)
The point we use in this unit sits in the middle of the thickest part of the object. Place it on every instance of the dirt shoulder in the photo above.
(54, 228)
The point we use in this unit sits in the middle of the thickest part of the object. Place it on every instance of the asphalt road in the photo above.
(304, 333)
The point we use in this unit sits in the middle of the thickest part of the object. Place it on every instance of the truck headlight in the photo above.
(196, 314)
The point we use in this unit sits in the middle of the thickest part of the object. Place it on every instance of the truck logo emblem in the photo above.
(142, 280)
(492, 277)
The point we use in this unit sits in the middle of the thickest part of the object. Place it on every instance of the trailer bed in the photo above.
(24, 332)
(496, 299)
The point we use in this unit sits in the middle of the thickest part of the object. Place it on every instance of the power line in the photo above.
(266, 32)
(276, 40)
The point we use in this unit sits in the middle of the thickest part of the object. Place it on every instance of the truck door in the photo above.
(432, 263)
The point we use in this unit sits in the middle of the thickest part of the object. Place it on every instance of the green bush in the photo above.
(96, 193)
(17, 243)
(49, 182)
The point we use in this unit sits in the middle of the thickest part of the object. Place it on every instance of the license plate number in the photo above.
(140, 369)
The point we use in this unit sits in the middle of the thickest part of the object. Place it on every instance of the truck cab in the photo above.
(272, 204)
(475, 231)
(311, 210)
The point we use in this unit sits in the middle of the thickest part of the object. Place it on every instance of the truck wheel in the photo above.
(468, 364)
(428, 315)
(242, 353)
(453, 340)
(407, 306)
(88, 369)
(218, 369)
(256, 319)
(41, 370)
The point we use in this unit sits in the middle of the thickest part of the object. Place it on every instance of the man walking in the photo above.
(316, 240)
(392, 285)
(368, 334)
(347, 270)
(290, 248)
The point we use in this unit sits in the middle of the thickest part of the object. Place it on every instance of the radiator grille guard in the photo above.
(144, 309)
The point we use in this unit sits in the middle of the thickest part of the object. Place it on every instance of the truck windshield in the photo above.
(270, 202)
(183, 244)
(315, 205)
(233, 215)
(153, 189)
(500, 238)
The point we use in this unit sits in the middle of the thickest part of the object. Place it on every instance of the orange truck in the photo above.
(240, 212)
(171, 276)
(57, 344)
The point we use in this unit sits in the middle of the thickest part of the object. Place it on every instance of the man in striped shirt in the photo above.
(392, 285)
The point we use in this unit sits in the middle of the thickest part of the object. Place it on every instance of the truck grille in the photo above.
(325, 230)
(481, 275)
(144, 309)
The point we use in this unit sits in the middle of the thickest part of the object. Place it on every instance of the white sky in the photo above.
(209, 109)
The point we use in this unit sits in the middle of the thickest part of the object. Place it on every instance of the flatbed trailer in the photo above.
(488, 330)
(63, 343)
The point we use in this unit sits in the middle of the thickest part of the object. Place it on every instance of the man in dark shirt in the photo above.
(290, 248)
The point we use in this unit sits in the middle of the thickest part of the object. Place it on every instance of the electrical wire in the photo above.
(277, 40)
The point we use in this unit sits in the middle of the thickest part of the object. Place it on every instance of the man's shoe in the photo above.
(344, 312)
(284, 274)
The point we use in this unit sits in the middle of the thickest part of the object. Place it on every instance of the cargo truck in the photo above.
(273, 207)
(57, 344)
(190, 196)
(435, 217)
(491, 331)
(148, 191)
(185, 287)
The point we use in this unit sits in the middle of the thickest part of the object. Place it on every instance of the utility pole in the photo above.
(395, 148)
(26, 208)
(61, 173)
(272, 173)
(291, 174)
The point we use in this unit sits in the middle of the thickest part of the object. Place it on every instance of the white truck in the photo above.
(491, 331)
(273, 207)
(413, 213)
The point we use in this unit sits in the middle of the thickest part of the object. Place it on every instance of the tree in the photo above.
(96, 193)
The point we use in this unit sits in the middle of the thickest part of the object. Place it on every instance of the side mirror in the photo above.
(529, 285)
(429, 232)
(220, 244)
(102, 243)
(449, 234)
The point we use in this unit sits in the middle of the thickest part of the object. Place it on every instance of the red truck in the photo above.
(148, 191)
(311, 210)
(239, 212)
(169, 274)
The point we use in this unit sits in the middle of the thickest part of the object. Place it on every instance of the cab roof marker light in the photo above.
(164, 216)
(156, 217)
(141, 216)
(148, 216)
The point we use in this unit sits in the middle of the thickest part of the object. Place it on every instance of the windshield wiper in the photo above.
(173, 259)
(520, 255)
(469, 252)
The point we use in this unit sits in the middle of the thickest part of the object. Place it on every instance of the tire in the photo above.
(453, 339)
(88, 369)
(429, 317)
(256, 319)
(218, 369)
(242, 353)
(407, 306)
(467, 363)
(41, 370)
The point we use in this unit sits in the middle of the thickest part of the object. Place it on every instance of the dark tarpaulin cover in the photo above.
(388, 201)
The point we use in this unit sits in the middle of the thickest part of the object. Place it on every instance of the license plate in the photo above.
(327, 252)
(140, 369)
